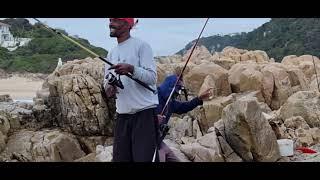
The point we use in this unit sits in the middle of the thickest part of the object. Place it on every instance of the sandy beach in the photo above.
(20, 88)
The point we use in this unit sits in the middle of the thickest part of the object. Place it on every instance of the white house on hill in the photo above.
(8, 41)
(5, 33)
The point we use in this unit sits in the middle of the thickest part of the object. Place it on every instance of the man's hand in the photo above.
(161, 118)
(111, 91)
(206, 94)
(122, 68)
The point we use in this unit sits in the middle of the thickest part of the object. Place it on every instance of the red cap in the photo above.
(130, 21)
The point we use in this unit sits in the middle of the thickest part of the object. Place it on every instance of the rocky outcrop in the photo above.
(180, 128)
(24, 115)
(241, 55)
(298, 130)
(76, 99)
(304, 104)
(44, 146)
(245, 77)
(248, 132)
(169, 59)
(304, 63)
(205, 149)
(276, 86)
(213, 110)
(200, 55)
(218, 76)
(164, 70)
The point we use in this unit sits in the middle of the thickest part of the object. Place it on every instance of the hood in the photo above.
(166, 87)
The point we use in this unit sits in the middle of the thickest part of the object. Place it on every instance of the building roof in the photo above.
(3, 24)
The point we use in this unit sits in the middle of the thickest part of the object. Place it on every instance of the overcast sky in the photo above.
(165, 35)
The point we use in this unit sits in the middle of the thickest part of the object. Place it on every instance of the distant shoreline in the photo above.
(28, 75)
(20, 88)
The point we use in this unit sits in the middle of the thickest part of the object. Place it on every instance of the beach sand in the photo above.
(20, 88)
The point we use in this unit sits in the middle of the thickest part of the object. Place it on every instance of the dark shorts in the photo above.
(135, 137)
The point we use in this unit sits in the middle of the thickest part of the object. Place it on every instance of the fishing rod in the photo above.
(129, 75)
(180, 75)
(173, 89)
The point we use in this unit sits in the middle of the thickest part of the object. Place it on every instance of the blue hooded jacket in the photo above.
(174, 106)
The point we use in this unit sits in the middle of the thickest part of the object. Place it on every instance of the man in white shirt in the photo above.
(136, 129)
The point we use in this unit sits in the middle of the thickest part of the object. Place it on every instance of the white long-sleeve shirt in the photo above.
(134, 97)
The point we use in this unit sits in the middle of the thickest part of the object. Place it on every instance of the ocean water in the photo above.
(29, 101)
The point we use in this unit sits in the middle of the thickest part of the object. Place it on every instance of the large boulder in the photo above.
(209, 82)
(276, 85)
(304, 104)
(45, 146)
(200, 54)
(248, 132)
(250, 80)
(232, 53)
(257, 56)
(76, 99)
(245, 73)
(242, 55)
(304, 62)
(88, 66)
(218, 75)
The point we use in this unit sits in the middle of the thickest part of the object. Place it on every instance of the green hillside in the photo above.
(279, 37)
(42, 52)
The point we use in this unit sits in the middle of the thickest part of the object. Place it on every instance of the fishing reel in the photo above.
(112, 80)
(183, 91)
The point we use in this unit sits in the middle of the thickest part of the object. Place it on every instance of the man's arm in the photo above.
(184, 107)
(147, 71)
